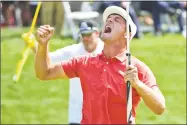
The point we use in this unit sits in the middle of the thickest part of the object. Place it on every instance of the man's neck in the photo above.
(114, 49)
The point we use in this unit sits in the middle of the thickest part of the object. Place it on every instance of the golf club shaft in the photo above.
(128, 62)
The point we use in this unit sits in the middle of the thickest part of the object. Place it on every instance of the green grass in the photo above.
(32, 101)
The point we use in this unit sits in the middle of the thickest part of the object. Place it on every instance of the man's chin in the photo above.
(105, 37)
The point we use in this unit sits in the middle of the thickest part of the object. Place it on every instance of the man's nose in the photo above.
(109, 20)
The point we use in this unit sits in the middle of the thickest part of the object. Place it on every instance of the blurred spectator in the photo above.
(159, 7)
(8, 13)
(2, 17)
(18, 12)
(52, 13)
(25, 13)
(33, 5)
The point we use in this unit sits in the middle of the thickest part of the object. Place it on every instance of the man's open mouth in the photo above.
(108, 29)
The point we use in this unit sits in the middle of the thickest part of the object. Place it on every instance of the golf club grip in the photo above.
(129, 121)
(128, 89)
(128, 94)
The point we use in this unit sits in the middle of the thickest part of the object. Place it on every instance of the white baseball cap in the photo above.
(120, 11)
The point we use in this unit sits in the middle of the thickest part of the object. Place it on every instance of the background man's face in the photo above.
(89, 40)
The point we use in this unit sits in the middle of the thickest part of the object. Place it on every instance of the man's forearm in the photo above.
(154, 100)
(42, 62)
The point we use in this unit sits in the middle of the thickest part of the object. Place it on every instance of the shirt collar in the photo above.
(99, 47)
(120, 57)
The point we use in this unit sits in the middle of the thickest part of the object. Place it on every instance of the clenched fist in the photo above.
(44, 33)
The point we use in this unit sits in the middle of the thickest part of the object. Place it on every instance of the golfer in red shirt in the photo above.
(103, 76)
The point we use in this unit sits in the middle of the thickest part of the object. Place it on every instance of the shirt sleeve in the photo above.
(72, 66)
(146, 75)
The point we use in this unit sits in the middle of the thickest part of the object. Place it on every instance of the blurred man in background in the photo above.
(173, 8)
(52, 13)
(7, 11)
(90, 43)
(33, 5)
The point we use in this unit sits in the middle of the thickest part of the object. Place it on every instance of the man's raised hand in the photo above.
(44, 33)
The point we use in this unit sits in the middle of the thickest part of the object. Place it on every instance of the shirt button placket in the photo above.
(108, 86)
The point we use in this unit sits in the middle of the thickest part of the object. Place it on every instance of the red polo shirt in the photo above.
(104, 90)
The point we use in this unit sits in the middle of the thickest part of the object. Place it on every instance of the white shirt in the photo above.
(75, 92)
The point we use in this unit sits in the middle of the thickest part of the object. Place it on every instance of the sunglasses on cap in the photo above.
(86, 31)
(86, 34)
